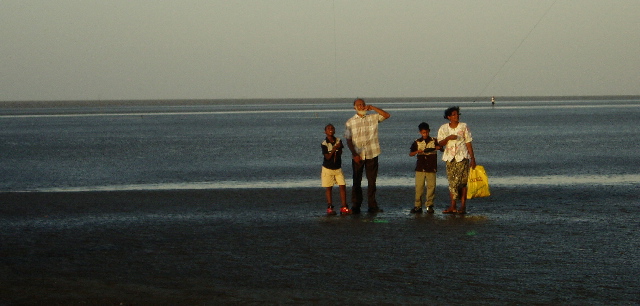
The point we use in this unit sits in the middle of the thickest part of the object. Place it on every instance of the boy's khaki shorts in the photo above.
(332, 177)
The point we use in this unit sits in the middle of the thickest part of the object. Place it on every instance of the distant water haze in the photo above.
(275, 144)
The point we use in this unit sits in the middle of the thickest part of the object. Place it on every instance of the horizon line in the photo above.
(156, 102)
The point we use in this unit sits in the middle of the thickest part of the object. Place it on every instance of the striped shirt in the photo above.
(363, 132)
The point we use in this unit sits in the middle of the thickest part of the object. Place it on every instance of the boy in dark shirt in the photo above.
(332, 169)
(425, 148)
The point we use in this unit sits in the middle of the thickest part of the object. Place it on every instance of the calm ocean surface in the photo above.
(560, 227)
(276, 145)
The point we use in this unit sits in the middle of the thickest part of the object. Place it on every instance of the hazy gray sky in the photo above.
(188, 49)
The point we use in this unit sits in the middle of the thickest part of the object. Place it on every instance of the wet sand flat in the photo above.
(275, 246)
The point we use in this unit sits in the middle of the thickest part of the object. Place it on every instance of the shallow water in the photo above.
(277, 145)
(542, 245)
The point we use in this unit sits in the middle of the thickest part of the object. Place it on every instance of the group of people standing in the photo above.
(361, 134)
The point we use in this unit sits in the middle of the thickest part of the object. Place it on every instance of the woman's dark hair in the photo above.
(450, 111)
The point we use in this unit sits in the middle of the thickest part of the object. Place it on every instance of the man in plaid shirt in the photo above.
(361, 133)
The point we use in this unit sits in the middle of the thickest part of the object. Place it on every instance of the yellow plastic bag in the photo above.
(478, 184)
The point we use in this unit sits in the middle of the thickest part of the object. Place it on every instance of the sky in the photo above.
(272, 49)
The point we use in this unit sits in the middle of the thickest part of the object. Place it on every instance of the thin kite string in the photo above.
(517, 48)
(335, 51)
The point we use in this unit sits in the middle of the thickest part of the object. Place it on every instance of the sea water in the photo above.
(560, 226)
(277, 145)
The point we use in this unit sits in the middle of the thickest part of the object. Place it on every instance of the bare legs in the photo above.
(343, 195)
(463, 202)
